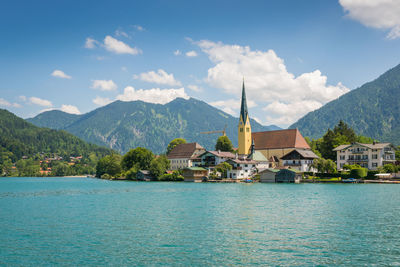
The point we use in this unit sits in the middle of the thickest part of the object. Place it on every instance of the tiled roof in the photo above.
(242, 161)
(290, 138)
(222, 154)
(184, 151)
(305, 153)
(371, 146)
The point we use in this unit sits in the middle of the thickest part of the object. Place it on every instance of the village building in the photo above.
(300, 159)
(194, 174)
(182, 155)
(268, 175)
(288, 176)
(371, 156)
(212, 158)
(241, 168)
(272, 145)
(144, 175)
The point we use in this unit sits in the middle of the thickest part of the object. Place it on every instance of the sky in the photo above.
(294, 56)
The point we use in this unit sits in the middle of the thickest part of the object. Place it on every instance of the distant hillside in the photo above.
(125, 125)
(372, 110)
(22, 138)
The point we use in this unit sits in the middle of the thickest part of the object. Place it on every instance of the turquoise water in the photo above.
(82, 221)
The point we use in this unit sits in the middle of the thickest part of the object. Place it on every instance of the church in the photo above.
(273, 145)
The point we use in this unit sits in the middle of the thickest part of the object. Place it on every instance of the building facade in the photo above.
(371, 156)
(299, 159)
(212, 158)
(241, 168)
(182, 155)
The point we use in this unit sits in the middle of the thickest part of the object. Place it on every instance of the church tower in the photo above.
(244, 128)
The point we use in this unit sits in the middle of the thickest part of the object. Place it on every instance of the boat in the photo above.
(349, 180)
(247, 180)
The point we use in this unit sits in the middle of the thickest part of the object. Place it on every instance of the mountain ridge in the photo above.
(123, 125)
(372, 110)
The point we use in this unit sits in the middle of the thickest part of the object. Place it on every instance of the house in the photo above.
(194, 174)
(371, 156)
(182, 155)
(212, 158)
(242, 168)
(268, 175)
(288, 176)
(299, 159)
(144, 175)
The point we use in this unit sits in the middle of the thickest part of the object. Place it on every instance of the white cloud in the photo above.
(155, 95)
(40, 102)
(191, 54)
(159, 77)
(22, 98)
(195, 88)
(104, 85)
(266, 78)
(119, 47)
(60, 74)
(121, 33)
(101, 101)
(5, 103)
(91, 43)
(232, 106)
(70, 109)
(177, 52)
(138, 27)
(380, 14)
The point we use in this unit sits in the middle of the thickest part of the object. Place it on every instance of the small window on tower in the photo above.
(241, 130)
(247, 129)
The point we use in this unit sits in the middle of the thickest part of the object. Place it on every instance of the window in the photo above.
(374, 156)
(374, 164)
(247, 129)
(241, 129)
(342, 157)
(245, 165)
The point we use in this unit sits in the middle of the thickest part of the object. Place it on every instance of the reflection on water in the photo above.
(82, 221)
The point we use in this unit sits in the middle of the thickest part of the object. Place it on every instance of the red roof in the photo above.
(183, 151)
(290, 138)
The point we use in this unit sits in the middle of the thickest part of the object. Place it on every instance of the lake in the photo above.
(84, 221)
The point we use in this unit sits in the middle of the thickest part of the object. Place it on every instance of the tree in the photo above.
(109, 165)
(139, 157)
(223, 168)
(324, 165)
(224, 144)
(174, 143)
(343, 129)
(159, 165)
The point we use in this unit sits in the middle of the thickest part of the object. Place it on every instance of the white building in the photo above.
(369, 156)
(299, 159)
(241, 168)
(182, 155)
(212, 158)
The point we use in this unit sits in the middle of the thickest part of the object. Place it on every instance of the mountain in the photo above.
(371, 110)
(22, 138)
(125, 125)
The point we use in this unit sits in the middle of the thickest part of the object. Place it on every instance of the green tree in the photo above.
(109, 165)
(61, 169)
(224, 144)
(174, 143)
(139, 157)
(223, 168)
(159, 165)
(343, 129)
(324, 165)
(398, 153)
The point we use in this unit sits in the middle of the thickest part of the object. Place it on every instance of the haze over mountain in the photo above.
(125, 125)
(372, 110)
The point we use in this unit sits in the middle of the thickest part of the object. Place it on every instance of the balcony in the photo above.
(292, 164)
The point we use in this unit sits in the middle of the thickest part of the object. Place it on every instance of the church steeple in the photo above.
(243, 106)
(244, 128)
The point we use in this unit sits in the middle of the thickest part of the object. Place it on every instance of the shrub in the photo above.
(358, 173)
(371, 174)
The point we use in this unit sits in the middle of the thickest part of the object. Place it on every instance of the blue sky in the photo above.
(294, 55)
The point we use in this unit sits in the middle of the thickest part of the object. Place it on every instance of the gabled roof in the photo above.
(304, 153)
(371, 146)
(257, 156)
(269, 170)
(290, 138)
(221, 154)
(184, 151)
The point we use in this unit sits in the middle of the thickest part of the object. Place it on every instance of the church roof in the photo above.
(243, 105)
(184, 150)
(290, 138)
